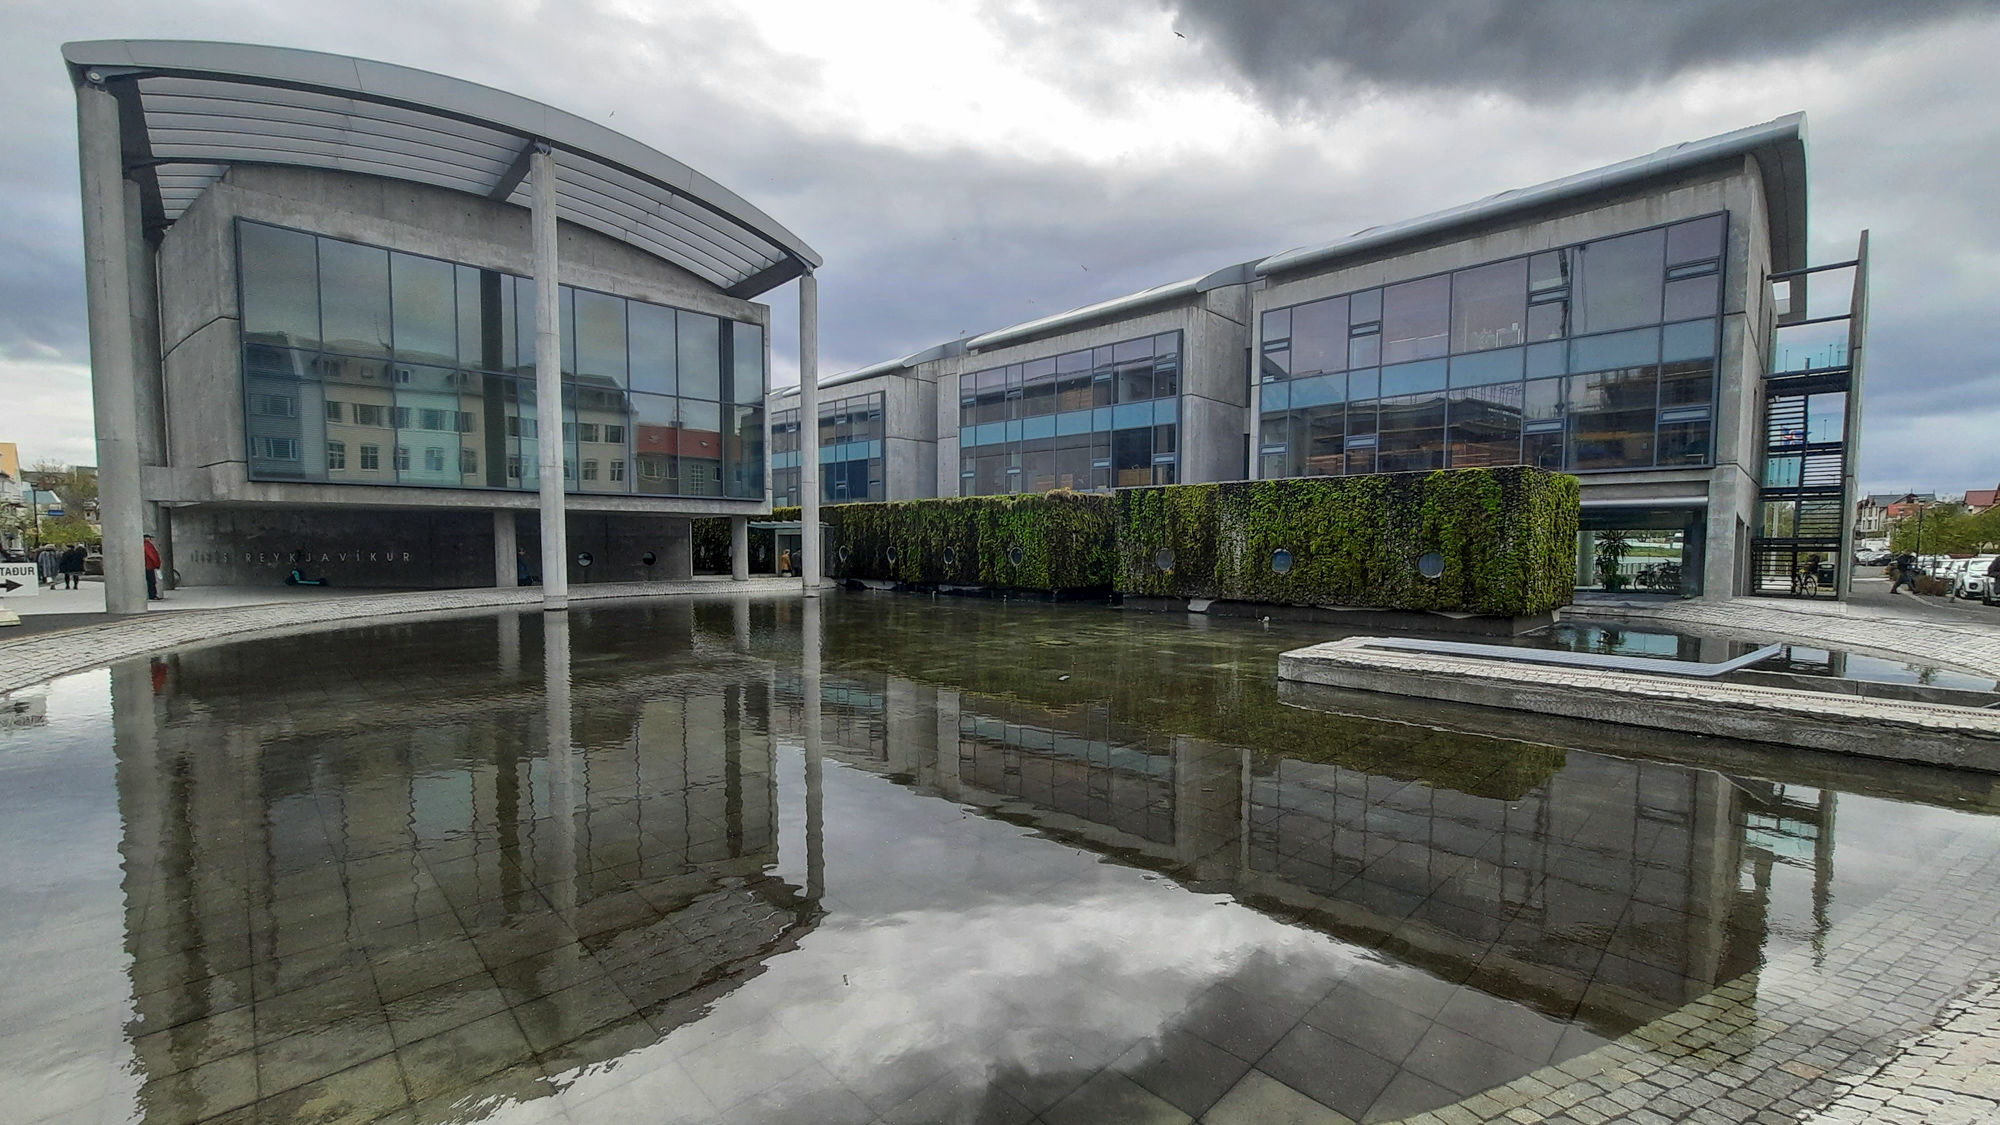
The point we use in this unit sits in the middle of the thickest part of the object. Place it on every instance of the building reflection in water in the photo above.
(367, 873)
(359, 889)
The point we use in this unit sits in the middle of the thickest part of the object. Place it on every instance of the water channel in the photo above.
(879, 857)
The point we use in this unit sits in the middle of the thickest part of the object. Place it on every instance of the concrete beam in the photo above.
(107, 272)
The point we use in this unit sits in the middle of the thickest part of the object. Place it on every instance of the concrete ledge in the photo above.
(1349, 617)
(36, 659)
(1959, 737)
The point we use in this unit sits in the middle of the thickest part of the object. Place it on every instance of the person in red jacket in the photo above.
(152, 571)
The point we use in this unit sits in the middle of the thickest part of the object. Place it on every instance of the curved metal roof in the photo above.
(1779, 145)
(189, 110)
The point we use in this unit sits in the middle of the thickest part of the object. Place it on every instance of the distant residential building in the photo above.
(1978, 500)
(10, 460)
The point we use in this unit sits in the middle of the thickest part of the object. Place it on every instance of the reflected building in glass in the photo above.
(1622, 324)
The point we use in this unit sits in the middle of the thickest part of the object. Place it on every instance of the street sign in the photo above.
(17, 580)
(52, 512)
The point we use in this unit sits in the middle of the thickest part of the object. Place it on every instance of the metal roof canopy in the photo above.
(188, 110)
(1779, 146)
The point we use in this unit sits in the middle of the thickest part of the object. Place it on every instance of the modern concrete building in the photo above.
(1626, 324)
(339, 307)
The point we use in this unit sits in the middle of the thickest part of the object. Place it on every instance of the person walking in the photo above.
(72, 566)
(1906, 571)
(47, 560)
(785, 563)
(152, 571)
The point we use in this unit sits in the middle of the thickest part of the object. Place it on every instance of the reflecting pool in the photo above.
(877, 857)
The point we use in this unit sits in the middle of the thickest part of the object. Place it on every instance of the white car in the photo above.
(1972, 580)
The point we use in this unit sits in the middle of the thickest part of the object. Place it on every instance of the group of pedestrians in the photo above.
(63, 565)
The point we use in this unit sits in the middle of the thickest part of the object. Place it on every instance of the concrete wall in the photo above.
(200, 321)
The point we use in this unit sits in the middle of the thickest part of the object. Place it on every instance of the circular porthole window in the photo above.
(1164, 558)
(585, 558)
(1281, 561)
(649, 558)
(844, 554)
(1016, 556)
(951, 556)
(890, 554)
(1431, 565)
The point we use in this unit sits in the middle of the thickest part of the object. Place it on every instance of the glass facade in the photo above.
(850, 451)
(1098, 418)
(370, 366)
(1596, 356)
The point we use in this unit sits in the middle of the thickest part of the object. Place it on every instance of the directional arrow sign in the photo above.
(17, 580)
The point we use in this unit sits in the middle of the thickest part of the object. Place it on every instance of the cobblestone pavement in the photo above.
(1872, 1015)
(34, 659)
(1949, 1076)
(1973, 646)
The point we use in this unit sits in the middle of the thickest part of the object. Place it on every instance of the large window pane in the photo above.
(1319, 337)
(600, 336)
(748, 361)
(1410, 434)
(651, 352)
(427, 434)
(1038, 389)
(424, 300)
(280, 286)
(354, 298)
(746, 467)
(1487, 367)
(485, 311)
(1618, 282)
(1693, 296)
(1132, 457)
(524, 326)
(1073, 461)
(700, 356)
(1695, 241)
(1621, 349)
(1486, 426)
(1415, 319)
(1489, 306)
(1687, 383)
(1411, 378)
(656, 443)
(1611, 416)
(1323, 429)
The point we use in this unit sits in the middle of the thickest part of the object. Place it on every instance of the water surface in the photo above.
(884, 857)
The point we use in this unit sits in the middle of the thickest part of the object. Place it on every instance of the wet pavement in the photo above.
(962, 861)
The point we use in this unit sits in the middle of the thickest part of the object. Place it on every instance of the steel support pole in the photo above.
(548, 383)
(107, 276)
(809, 534)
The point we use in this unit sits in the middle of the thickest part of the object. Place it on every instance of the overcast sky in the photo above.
(967, 164)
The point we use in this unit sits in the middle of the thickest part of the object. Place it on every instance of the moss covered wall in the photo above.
(1040, 541)
(1505, 540)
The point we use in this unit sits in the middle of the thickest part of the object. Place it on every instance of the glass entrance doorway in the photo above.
(1640, 550)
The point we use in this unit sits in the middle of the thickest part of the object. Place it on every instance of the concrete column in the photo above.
(107, 276)
(548, 384)
(739, 548)
(809, 539)
(562, 763)
(678, 566)
(1255, 469)
(506, 548)
(149, 392)
(809, 649)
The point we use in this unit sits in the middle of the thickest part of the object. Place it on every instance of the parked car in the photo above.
(1972, 581)
(93, 563)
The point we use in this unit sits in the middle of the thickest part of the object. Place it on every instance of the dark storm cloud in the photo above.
(1533, 49)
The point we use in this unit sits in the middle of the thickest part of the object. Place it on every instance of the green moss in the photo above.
(1506, 537)
(1041, 541)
